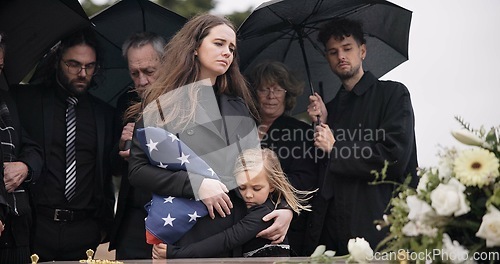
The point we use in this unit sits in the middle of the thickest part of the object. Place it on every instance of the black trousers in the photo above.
(65, 240)
(14, 241)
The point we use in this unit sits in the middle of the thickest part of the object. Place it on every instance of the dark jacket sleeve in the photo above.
(237, 235)
(157, 180)
(29, 151)
(31, 155)
(4, 206)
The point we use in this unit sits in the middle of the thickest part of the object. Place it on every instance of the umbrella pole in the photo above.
(300, 33)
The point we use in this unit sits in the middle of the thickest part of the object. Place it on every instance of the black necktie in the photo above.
(69, 191)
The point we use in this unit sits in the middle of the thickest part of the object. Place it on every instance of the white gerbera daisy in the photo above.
(476, 167)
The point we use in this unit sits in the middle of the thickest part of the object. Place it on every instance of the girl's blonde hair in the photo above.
(266, 159)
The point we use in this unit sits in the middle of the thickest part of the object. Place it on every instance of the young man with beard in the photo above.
(381, 114)
(73, 197)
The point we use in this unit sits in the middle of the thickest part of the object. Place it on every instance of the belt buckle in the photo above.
(61, 215)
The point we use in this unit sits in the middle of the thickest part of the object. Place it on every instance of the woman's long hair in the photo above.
(180, 67)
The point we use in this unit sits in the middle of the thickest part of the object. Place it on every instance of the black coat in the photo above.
(130, 204)
(216, 142)
(28, 152)
(292, 140)
(373, 123)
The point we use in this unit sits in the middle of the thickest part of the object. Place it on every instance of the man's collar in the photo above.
(364, 83)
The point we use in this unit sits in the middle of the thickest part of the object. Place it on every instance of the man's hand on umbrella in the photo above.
(127, 133)
(213, 194)
(323, 138)
(317, 108)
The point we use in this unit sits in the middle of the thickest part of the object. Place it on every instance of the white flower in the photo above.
(445, 167)
(453, 251)
(476, 167)
(466, 137)
(360, 250)
(419, 210)
(449, 198)
(422, 183)
(490, 227)
(410, 229)
(416, 228)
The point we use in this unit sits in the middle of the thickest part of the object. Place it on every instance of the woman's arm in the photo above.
(144, 175)
(179, 183)
(240, 233)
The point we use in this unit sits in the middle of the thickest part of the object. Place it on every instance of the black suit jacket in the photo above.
(36, 112)
(28, 152)
(128, 197)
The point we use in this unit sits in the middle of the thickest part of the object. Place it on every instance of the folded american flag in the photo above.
(169, 218)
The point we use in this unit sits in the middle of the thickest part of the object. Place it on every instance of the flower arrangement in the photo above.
(453, 215)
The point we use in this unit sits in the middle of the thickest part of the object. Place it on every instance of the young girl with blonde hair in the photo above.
(263, 186)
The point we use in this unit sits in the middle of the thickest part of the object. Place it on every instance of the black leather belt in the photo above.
(62, 215)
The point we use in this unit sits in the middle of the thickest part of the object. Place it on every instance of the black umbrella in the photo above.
(32, 27)
(113, 26)
(286, 31)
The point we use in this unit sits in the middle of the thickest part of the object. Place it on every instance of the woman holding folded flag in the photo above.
(203, 104)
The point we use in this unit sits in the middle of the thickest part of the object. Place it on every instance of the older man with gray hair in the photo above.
(143, 52)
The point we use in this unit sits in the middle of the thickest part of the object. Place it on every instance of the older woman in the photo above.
(275, 89)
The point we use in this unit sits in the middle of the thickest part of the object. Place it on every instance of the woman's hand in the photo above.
(213, 194)
(277, 231)
(159, 251)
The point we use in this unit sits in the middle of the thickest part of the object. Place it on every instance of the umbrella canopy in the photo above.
(32, 27)
(286, 31)
(113, 26)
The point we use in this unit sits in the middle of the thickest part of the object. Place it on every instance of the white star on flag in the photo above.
(193, 216)
(169, 199)
(163, 166)
(173, 137)
(183, 158)
(169, 221)
(211, 171)
(152, 146)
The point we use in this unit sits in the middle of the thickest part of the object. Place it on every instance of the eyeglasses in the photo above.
(275, 91)
(76, 67)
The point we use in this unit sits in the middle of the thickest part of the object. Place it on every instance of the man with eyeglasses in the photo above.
(73, 196)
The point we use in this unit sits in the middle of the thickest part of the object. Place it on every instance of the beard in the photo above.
(345, 75)
(76, 86)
